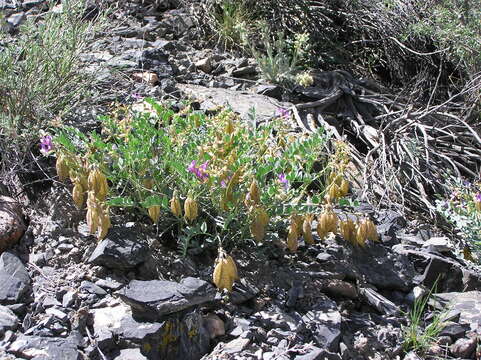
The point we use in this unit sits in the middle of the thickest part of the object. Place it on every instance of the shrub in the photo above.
(278, 62)
(454, 24)
(463, 210)
(230, 19)
(41, 75)
(227, 174)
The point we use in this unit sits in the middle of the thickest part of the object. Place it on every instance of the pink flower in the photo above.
(200, 172)
(284, 113)
(46, 144)
(282, 179)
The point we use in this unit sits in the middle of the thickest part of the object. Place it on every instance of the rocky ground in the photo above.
(129, 297)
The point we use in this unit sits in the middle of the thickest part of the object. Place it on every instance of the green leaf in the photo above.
(121, 201)
(344, 202)
(152, 200)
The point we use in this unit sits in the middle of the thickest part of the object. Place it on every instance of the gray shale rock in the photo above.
(45, 348)
(324, 320)
(379, 302)
(315, 353)
(175, 337)
(122, 249)
(130, 354)
(152, 299)
(452, 274)
(8, 320)
(14, 279)
(463, 348)
(242, 103)
(467, 304)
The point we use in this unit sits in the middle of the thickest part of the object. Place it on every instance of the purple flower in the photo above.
(223, 184)
(200, 172)
(283, 180)
(137, 96)
(477, 197)
(284, 113)
(46, 144)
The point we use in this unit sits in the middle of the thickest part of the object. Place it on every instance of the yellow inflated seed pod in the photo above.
(154, 213)
(328, 220)
(344, 187)
(190, 209)
(83, 180)
(297, 220)
(103, 189)
(371, 231)
(104, 225)
(78, 195)
(175, 206)
(257, 229)
(307, 230)
(92, 218)
(477, 203)
(321, 231)
(333, 191)
(332, 177)
(93, 180)
(225, 272)
(231, 263)
(106, 211)
(361, 233)
(347, 229)
(262, 216)
(62, 167)
(234, 180)
(293, 238)
(254, 194)
(229, 128)
(148, 183)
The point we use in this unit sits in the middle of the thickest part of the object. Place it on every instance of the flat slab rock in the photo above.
(176, 337)
(242, 103)
(155, 298)
(449, 274)
(325, 318)
(8, 320)
(468, 304)
(45, 348)
(14, 279)
(122, 249)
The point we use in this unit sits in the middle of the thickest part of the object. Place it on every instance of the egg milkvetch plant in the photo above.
(232, 179)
